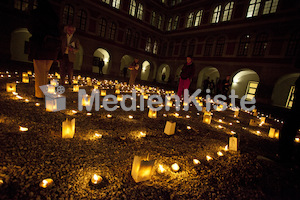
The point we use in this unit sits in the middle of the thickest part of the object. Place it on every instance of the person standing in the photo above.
(101, 65)
(44, 44)
(70, 47)
(187, 73)
(134, 71)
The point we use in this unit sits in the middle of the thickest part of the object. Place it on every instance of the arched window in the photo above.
(260, 44)
(68, 16)
(112, 31)
(81, 18)
(106, 1)
(220, 46)
(128, 37)
(198, 18)
(208, 47)
(171, 48)
(216, 15)
(153, 18)
(155, 47)
(190, 20)
(159, 22)
(102, 27)
(253, 8)
(183, 48)
(21, 5)
(140, 12)
(116, 4)
(132, 8)
(293, 44)
(148, 45)
(175, 23)
(270, 6)
(244, 45)
(136, 40)
(191, 47)
(169, 24)
(228, 11)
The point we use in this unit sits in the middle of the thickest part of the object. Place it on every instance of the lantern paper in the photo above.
(75, 81)
(24, 74)
(254, 112)
(170, 128)
(152, 113)
(272, 132)
(117, 91)
(75, 88)
(50, 89)
(236, 113)
(233, 143)
(253, 122)
(141, 169)
(263, 120)
(119, 97)
(10, 87)
(277, 134)
(29, 73)
(103, 92)
(55, 103)
(25, 79)
(68, 128)
(207, 118)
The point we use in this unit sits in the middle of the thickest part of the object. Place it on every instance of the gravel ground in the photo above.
(29, 157)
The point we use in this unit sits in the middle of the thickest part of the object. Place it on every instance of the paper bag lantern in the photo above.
(86, 101)
(207, 118)
(103, 92)
(54, 82)
(75, 81)
(272, 132)
(24, 74)
(236, 113)
(253, 122)
(263, 120)
(50, 89)
(75, 88)
(68, 128)
(25, 79)
(277, 134)
(55, 103)
(10, 87)
(96, 87)
(233, 143)
(29, 72)
(117, 91)
(254, 112)
(146, 96)
(152, 113)
(119, 97)
(141, 168)
(170, 128)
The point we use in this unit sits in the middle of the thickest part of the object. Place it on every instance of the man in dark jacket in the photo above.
(187, 73)
(44, 45)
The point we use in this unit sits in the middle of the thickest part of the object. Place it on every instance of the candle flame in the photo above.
(175, 167)
(226, 148)
(23, 129)
(208, 158)
(130, 117)
(161, 169)
(196, 161)
(220, 153)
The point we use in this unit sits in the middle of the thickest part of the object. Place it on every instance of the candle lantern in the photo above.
(253, 122)
(103, 92)
(96, 87)
(54, 82)
(236, 113)
(50, 89)
(142, 168)
(96, 179)
(25, 79)
(29, 72)
(152, 113)
(175, 167)
(233, 143)
(254, 112)
(46, 183)
(24, 74)
(277, 134)
(55, 103)
(86, 101)
(57, 75)
(204, 109)
(75, 88)
(170, 128)
(68, 128)
(119, 97)
(117, 91)
(263, 120)
(207, 118)
(10, 87)
(75, 81)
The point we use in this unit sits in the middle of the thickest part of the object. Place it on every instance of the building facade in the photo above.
(255, 42)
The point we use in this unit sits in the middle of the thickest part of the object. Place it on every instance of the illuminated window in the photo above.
(140, 12)
(220, 46)
(253, 8)
(260, 45)
(82, 16)
(21, 5)
(136, 40)
(289, 102)
(116, 4)
(293, 44)
(270, 6)
(132, 8)
(128, 37)
(148, 45)
(190, 20)
(216, 15)
(153, 18)
(228, 11)
(155, 47)
(106, 1)
(169, 24)
(251, 90)
(112, 31)
(244, 45)
(68, 16)
(159, 22)
(198, 18)
(102, 27)
(175, 23)
(208, 47)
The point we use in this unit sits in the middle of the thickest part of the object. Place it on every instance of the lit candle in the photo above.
(188, 116)
(220, 120)
(196, 162)
(74, 111)
(109, 116)
(161, 169)
(142, 134)
(130, 117)
(188, 127)
(37, 104)
(97, 135)
(226, 148)
(176, 115)
(46, 183)
(220, 153)
(175, 167)
(96, 179)
(88, 114)
(208, 158)
(297, 140)
(23, 129)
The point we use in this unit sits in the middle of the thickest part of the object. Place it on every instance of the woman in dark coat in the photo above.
(44, 45)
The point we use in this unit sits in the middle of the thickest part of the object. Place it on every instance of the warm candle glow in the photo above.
(226, 148)
(23, 129)
(176, 115)
(220, 120)
(188, 127)
(175, 167)
(142, 134)
(37, 104)
(88, 114)
(196, 161)
(220, 153)
(188, 116)
(96, 179)
(297, 139)
(109, 116)
(46, 183)
(130, 117)
(208, 158)
(98, 135)
(161, 169)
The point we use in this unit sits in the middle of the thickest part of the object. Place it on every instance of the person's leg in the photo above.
(131, 78)
(186, 84)
(41, 69)
(180, 88)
